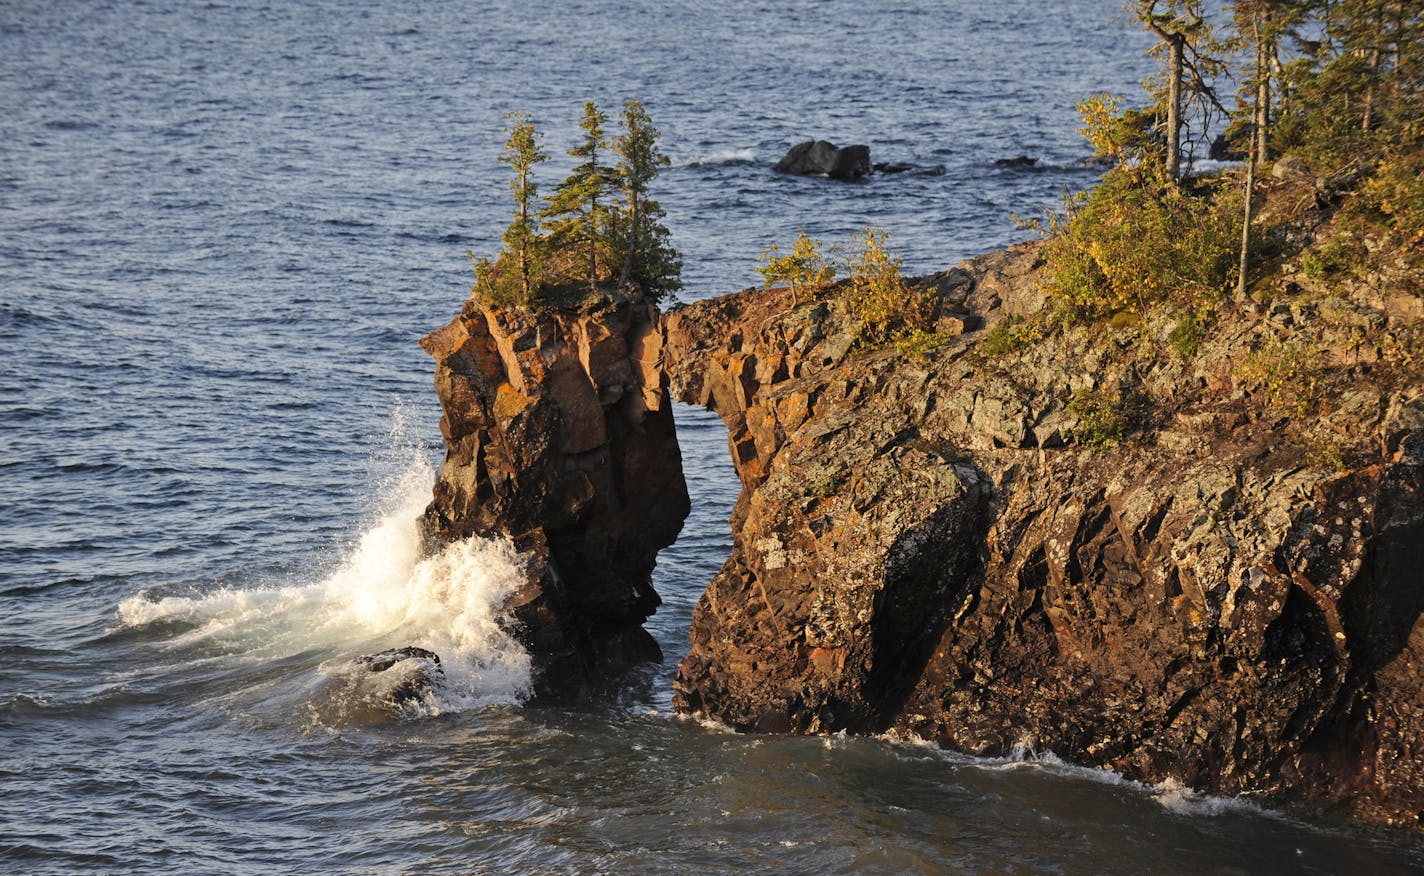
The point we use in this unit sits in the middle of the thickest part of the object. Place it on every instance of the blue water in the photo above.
(222, 229)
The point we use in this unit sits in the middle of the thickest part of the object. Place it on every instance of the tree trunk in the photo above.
(1258, 140)
(592, 235)
(524, 234)
(1174, 107)
(1263, 96)
(1369, 121)
(632, 252)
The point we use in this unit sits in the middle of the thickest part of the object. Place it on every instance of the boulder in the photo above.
(1224, 148)
(406, 675)
(852, 163)
(822, 158)
(811, 158)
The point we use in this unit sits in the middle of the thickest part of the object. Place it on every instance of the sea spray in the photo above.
(382, 594)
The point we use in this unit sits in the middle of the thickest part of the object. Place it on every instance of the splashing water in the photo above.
(384, 594)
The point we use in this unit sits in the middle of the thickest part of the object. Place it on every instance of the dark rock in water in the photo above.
(822, 158)
(1020, 162)
(848, 164)
(810, 158)
(852, 163)
(386, 659)
(416, 678)
(890, 169)
(1227, 148)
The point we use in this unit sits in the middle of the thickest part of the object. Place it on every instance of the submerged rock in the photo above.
(407, 675)
(900, 167)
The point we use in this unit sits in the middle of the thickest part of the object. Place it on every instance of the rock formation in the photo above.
(822, 158)
(408, 675)
(929, 548)
(559, 436)
(1206, 566)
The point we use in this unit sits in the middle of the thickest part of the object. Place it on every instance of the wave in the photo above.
(1170, 794)
(383, 594)
(725, 156)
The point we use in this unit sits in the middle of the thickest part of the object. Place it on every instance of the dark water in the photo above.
(222, 229)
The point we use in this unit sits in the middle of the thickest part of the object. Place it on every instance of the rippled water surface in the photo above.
(223, 227)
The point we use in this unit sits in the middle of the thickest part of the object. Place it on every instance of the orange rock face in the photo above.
(560, 438)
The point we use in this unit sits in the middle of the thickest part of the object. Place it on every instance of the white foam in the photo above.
(1170, 794)
(1181, 800)
(382, 595)
(726, 156)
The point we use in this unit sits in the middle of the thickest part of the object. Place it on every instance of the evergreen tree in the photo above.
(578, 216)
(521, 239)
(1357, 82)
(1188, 69)
(648, 258)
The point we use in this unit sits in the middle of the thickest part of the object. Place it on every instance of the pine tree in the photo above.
(577, 214)
(1187, 41)
(521, 239)
(648, 258)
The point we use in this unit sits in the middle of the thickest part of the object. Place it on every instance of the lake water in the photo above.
(223, 227)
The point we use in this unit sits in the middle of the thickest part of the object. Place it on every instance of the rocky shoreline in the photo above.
(938, 546)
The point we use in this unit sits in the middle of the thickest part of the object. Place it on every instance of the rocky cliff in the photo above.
(1208, 567)
(559, 436)
(1201, 561)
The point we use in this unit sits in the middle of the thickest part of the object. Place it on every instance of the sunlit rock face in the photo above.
(559, 436)
(953, 546)
(929, 547)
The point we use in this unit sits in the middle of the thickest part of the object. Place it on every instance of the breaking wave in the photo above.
(725, 156)
(383, 594)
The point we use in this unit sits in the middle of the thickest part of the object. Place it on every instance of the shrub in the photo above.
(1008, 335)
(1186, 336)
(1287, 371)
(821, 480)
(1324, 262)
(1100, 424)
(1135, 241)
(806, 269)
(918, 343)
(888, 309)
(878, 295)
(1396, 191)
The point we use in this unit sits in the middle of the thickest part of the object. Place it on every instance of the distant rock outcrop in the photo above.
(821, 158)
